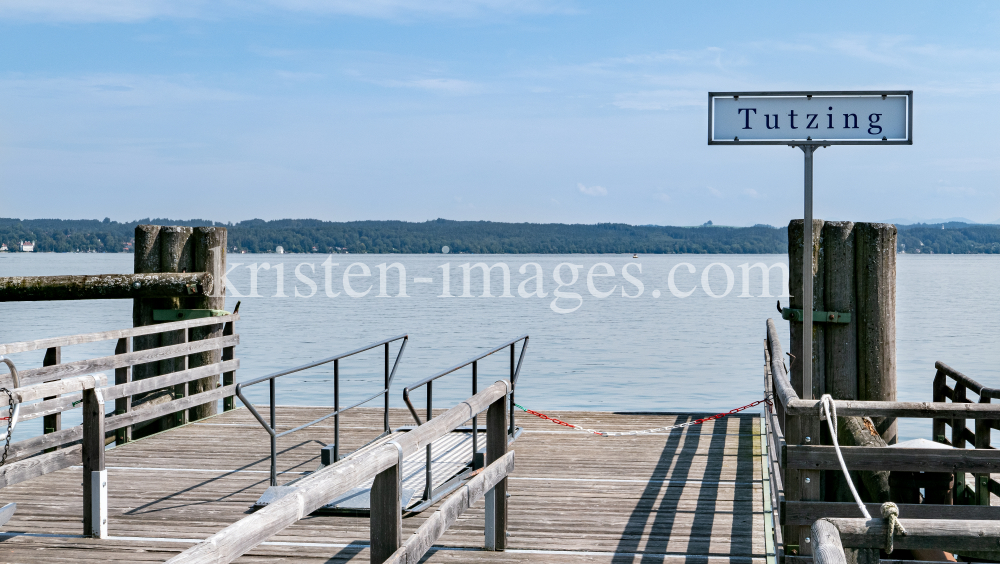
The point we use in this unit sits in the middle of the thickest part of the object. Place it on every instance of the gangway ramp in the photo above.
(451, 465)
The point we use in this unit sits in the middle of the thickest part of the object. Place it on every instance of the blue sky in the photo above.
(531, 110)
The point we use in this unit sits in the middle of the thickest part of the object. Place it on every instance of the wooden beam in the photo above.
(39, 344)
(27, 447)
(22, 470)
(453, 507)
(944, 534)
(827, 548)
(69, 385)
(924, 410)
(81, 367)
(104, 286)
(122, 391)
(893, 459)
(806, 512)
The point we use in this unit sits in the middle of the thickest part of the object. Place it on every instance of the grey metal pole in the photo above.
(807, 278)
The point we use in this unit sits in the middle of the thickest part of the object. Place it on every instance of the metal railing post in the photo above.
(386, 415)
(336, 409)
(512, 379)
(475, 418)
(274, 439)
(429, 485)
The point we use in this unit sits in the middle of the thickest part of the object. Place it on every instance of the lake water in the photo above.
(652, 352)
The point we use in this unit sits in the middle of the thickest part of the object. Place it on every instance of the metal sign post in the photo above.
(810, 120)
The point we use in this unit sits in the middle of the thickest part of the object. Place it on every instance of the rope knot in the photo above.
(890, 512)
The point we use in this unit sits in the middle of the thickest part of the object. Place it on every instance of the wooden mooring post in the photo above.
(177, 249)
(854, 348)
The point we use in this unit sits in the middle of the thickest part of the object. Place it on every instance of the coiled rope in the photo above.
(890, 512)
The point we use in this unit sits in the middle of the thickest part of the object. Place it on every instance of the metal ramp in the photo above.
(451, 466)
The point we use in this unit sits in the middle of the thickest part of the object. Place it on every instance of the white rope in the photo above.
(826, 403)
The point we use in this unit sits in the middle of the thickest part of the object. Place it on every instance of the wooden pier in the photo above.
(691, 495)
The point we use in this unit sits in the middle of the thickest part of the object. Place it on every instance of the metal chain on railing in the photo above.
(766, 400)
(10, 424)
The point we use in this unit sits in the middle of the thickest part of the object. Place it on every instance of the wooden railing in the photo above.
(833, 535)
(796, 453)
(383, 461)
(977, 493)
(60, 448)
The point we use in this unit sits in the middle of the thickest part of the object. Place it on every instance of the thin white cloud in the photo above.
(84, 11)
(99, 10)
(592, 190)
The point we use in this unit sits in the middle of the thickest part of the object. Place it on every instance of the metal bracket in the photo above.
(183, 314)
(790, 314)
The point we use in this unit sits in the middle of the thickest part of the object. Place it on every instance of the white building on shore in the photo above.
(27, 246)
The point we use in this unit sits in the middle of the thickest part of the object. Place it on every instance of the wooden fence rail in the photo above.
(833, 535)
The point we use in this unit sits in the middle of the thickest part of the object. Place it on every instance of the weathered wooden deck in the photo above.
(692, 495)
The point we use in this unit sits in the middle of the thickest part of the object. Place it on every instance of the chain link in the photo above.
(10, 424)
(766, 400)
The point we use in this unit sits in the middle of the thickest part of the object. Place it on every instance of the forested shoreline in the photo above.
(485, 237)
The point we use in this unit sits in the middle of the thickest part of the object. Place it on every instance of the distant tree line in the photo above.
(308, 235)
(946, 238)
(486, 237)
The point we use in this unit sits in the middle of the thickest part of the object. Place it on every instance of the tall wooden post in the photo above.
(496, 499)
(95, 476)
(209, 246)
(176, 255)
(875, 280)
(795, 239)
(146, 260)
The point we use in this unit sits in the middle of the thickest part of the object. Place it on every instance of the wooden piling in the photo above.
(875, 282)
(841, 347)
(795, 240)
(146, 260)
(209, 255)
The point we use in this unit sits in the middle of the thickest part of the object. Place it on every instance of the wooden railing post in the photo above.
(228, 378)
(52, 423)
(386, 517)
(95, 476)
(938, 425)
(123, 405)
(496, 498)
(983, 427)
(958, 441)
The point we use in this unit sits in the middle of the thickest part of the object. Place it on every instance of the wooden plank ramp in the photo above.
(691, 495)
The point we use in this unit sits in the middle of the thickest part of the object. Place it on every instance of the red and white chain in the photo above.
(644, 431)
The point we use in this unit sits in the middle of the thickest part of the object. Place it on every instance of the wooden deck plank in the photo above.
(693, 494)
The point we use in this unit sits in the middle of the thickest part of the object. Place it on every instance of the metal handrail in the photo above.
(515, 371)
(271, 428)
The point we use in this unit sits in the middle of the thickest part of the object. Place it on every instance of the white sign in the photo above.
(832, 118)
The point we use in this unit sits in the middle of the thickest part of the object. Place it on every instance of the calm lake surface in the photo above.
(652, 352)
